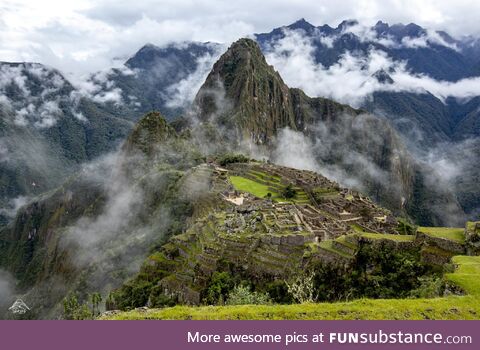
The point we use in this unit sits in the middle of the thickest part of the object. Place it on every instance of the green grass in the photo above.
(370, 235)
(396, 238)
(358, 228)
(261, 190)
(343, 240)
(246, 185)
(265, 177)
(447, 308)
(450, 233)
(467, 274)
(328, 245)
(450, 308)
(325, 192)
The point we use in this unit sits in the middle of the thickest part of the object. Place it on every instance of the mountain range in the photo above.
(166, 78)
(92, 181)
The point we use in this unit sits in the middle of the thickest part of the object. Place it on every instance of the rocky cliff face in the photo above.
(244, 93)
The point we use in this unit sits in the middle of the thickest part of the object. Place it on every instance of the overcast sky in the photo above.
(87, 35)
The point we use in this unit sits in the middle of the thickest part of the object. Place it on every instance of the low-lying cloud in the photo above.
(353, 78)
(13, 205)
(7, 292)
(294, 150)
(367, 34)
(33, 94)
(21, 96)
(182, 93)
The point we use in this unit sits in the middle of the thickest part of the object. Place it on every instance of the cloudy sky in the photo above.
(87, 35)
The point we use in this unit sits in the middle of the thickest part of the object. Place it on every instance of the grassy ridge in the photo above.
(451, 233)
(447, 308)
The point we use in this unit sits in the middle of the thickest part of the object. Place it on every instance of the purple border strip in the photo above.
(130, 335)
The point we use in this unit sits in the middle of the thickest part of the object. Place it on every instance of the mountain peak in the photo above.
(383, 77)
(301, 24)
(246, 96)
(245, 44)
(242, 57)
(381, 27)
(151, 56)
(243, 86)
(401, 30)
(347, 23)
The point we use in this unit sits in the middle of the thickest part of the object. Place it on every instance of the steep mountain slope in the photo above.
(249, 103)
(466, 115)
(422, 119)
(46, 131)
(48, 127)
(427, 53)
(260, 240)
(91, 234)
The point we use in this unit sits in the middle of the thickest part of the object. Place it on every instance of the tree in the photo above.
(232, 158)
(289, 192)
(95, 299)
(405, 228)
(219, 286)
(73, 310)
(70, 305)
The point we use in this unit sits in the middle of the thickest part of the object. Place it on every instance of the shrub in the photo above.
(430, 287)
(278, 292)
(232, 158)
(242, 295)
(134, 293)
(406, 228)
(302, 288)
